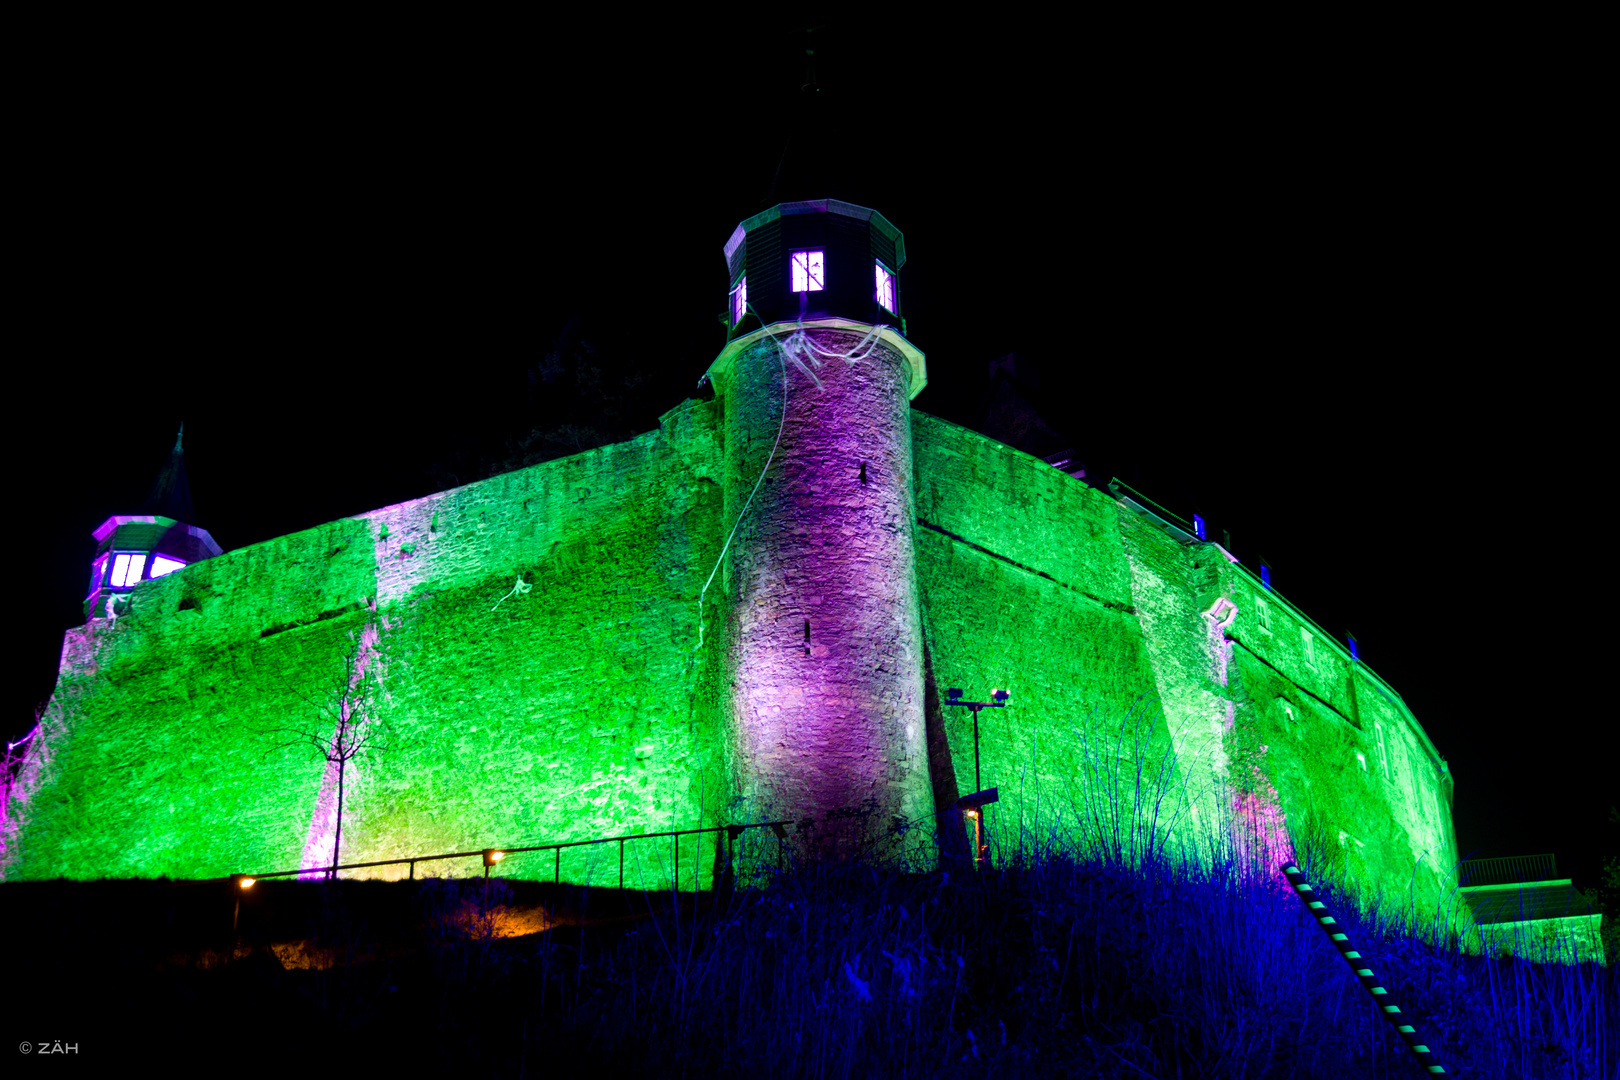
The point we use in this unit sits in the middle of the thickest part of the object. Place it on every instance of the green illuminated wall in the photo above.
(576, 709)
(1039, 583)
(583, 707)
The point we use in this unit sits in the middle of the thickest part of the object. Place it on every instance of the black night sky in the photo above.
(1339, 302)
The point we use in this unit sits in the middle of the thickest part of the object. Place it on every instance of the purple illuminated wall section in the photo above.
(824, 651)
(353, 708)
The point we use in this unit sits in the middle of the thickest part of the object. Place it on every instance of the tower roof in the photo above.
(170, 496)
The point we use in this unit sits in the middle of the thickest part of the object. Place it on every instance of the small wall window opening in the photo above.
(1308, 643)
(127, 567)
(1361, 759)
(1262, 613)
(809, 271)
(885, 289)
(739, 301)
(162, 564)
(1223, 612)
(97, 569)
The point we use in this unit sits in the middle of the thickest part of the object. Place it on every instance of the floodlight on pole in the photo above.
(998, 700)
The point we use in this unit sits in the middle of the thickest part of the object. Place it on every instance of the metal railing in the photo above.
(1510, 870)
(493, 855)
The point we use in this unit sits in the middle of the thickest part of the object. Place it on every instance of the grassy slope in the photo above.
(1056, 968)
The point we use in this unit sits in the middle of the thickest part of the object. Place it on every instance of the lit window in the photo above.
(1361, 759)
(1309, 643)
(808, 273)
(739, 301)
(162, 564)
(127, 567)
(1262, 612)
(885, 288)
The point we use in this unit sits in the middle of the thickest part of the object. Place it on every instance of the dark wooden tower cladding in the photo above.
(853, 240)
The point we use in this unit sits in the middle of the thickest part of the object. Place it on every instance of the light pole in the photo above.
(973, 805)
(998, 700)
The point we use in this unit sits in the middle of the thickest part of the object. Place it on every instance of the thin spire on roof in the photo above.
(805, 169)
(170, 496)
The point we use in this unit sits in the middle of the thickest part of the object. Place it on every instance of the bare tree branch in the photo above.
(346, 730)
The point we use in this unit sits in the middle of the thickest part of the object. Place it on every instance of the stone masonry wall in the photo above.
(1026, 588)
(1035, 582)
(577, 708)
(531, 655)
(1385, 814)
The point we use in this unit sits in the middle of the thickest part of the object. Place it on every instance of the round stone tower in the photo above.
(823, 645)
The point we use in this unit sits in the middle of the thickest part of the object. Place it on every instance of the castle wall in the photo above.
(1035, 582)
(1025, 587)
(1145, 682)
(578, 708)
(1385, 816)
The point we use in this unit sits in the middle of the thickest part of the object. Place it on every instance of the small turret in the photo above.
(815, 260)
(132, 548)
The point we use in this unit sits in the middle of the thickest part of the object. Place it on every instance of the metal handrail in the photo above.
(1511, 870)
(732, 833)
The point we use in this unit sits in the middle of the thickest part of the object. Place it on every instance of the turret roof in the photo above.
(170, 496)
